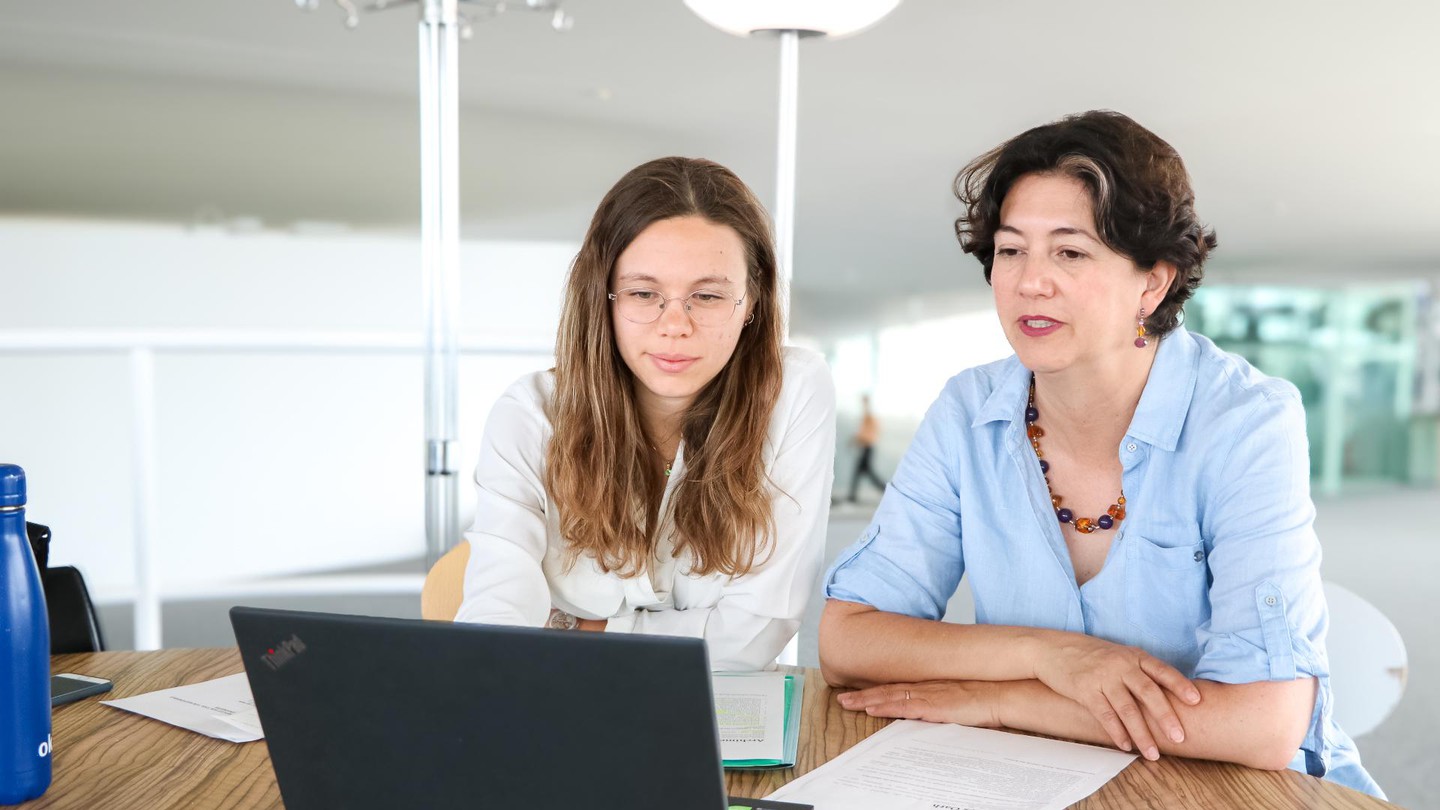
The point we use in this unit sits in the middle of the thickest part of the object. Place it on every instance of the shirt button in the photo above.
(1199, 555)
(1270, 600)
(1130, 447)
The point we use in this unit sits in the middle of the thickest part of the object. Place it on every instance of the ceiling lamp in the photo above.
(832, 18)
(790, 19)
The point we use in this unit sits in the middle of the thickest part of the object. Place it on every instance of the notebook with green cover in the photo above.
(759, 714)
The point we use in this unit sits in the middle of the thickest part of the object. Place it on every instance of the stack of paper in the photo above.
(911, 765)
(759, 717)
(222, 708)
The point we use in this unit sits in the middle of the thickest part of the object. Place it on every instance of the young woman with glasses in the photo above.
(672, 473)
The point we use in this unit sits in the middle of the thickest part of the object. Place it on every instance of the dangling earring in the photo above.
(751, 319)
(1140, 341)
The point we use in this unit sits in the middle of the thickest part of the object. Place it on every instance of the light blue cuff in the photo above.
(1275, 653)
(1270, 603)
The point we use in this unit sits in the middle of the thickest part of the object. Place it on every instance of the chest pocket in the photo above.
(1167, 592)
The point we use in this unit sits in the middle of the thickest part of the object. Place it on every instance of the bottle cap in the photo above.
(12, 485)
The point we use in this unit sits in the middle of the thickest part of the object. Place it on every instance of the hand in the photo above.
(969, 703)
(1120, 686)
(560, 620)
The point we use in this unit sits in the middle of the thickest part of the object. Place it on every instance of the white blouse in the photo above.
(517, 569)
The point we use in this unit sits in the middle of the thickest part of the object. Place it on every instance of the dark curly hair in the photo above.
(1139, 189)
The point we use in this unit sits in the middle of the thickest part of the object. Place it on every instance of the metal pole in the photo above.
(142, 431)
(440, 258)
(785, 204)
(785, 165)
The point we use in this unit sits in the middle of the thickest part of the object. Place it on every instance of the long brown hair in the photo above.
(600, 464)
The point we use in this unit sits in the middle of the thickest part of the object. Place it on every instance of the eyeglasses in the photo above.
(705, 307)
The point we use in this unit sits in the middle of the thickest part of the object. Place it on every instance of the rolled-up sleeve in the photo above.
(1267, 606)
(910, 560)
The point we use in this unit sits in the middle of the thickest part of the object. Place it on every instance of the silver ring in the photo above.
(907, 694)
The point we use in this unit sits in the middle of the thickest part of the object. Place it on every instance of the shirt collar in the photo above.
(1168, 393)
(1006, 402)
(1163, 405)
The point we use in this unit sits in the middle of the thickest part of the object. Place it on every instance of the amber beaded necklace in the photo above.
(1112, 516)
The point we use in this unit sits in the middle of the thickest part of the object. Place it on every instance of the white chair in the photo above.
(1367, 661)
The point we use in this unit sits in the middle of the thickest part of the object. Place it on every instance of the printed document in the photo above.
(222, 708)
(750, 712)
(913, 765)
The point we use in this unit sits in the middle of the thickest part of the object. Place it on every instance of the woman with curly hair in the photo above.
(1130, 504)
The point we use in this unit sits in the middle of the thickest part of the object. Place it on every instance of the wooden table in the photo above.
(108, 758)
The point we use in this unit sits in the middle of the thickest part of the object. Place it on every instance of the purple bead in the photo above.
(1044, 466)
(1105, 522)
(1031, 414)
(1140, 343)
(1064, 514)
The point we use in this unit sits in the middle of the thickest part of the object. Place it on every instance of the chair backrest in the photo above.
(1368, 665)
(74, 627)
(445, 585)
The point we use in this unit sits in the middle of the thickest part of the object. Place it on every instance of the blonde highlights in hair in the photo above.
(599, 466)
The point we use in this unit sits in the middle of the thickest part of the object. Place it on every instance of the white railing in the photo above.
(141, 346)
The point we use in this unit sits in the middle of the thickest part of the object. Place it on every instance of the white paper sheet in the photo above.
(913, 765)
(245, 720)
(750, 709)
(221, 708)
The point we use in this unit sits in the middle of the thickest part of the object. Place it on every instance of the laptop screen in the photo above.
(382, 713)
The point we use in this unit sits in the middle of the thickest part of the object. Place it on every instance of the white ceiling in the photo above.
(1312, 129)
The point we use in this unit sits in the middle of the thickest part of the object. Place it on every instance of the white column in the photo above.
(142, 433)
(785, 165)
(785, 204)
(440, 259)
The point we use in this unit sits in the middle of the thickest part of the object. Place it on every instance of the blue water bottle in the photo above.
(24, 653)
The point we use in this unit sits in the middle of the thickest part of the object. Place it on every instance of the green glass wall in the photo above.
(1352, 352)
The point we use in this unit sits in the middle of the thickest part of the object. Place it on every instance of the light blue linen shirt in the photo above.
(1216, 568)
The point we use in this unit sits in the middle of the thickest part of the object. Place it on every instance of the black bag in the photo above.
(74, 625)
(39, 544)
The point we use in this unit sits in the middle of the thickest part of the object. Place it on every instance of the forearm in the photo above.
(861, 646)
(736, 639)
(1260, 725)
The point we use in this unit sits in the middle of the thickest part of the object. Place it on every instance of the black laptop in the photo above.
(365, 712)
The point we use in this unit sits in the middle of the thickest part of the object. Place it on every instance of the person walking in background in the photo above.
(865, 439)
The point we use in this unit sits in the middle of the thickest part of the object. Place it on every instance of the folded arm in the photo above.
(1260, 724)
(1125, 690)
(861, 646)
(1256, 724)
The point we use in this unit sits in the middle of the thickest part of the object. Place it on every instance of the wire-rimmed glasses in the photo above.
(705, 307)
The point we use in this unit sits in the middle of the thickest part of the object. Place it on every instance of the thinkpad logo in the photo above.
(281, 654)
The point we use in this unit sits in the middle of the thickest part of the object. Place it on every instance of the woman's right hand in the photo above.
(1119, 685)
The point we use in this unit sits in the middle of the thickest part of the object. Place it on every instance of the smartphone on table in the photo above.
(69, 687)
